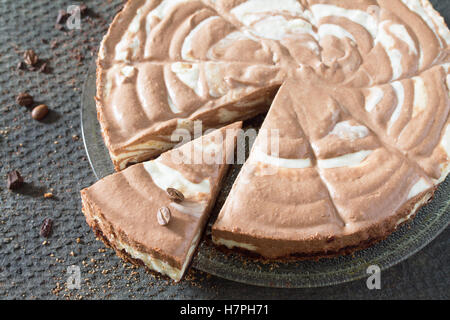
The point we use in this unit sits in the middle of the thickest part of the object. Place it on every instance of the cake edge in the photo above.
(376, 234)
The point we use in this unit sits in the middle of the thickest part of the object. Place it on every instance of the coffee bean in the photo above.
(30, 57)
(15, 180)
(46, 228)
(163, 216)
(24, 99)
(175, 195)
(39, 112)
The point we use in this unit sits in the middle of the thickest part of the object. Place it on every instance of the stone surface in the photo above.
(50, 156)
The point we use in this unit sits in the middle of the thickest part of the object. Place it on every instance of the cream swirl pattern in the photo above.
(363, 109)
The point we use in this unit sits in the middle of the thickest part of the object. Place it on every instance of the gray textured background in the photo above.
(51, 157)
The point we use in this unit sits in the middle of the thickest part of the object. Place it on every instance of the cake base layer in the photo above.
(308, 249)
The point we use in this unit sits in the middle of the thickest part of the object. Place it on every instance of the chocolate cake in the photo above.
(361, 110)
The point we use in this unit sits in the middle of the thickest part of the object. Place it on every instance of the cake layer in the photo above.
(123, 207)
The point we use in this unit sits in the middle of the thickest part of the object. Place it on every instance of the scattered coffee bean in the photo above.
(46, 228)
(175, 195)
(163, 216)
(24, 99)
(39, 112)
(15, 180)
(30, 57)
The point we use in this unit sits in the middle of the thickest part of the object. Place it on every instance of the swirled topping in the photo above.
(363, 118)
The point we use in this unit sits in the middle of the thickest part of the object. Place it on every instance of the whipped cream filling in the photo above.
(360, 17)
(278, 27)
(416, 207)
(228, 40)
(189, 74)
(335, 31)
(129, 41)
(250, 11)
(231, 244)
(347, 160)
(166, 177)
(419, 187)
(186, 49)
(164, 7)
(420, 96)
(417, 7)
(195, 209)
(133, 152)
(400, 94)
(345, 130)
(445, 141)
(151, 262)
(375, 96)
(226, 115)
(402, 34)
(159, 265)
(388, 43)
(260, 156)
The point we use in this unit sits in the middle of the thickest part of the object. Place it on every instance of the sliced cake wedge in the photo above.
(153, 213)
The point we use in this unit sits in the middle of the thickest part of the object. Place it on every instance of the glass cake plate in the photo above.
(407, 240)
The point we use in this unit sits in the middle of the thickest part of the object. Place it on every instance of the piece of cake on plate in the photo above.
(154, 213)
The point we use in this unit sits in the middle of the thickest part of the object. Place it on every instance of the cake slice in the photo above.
(141, 105)
(278, 206)
(164, 64)
(331, 187)
(123, 208)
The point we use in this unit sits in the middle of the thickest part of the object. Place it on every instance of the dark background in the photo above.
(51, 157)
